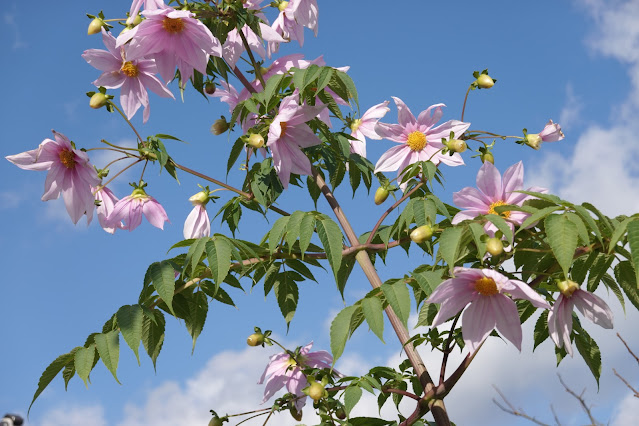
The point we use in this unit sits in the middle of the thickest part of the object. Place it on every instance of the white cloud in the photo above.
(627, 411)
(10, 199)
(75, 416)
(571, 113)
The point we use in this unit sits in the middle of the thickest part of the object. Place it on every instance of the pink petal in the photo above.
(404, 115)
(521, 290)
(154, 213)
(431, 115)
(478, 321)
(489, 182)
(593, 307)
(393, 132)
(507, 318)
(513, 179)
(392, 159)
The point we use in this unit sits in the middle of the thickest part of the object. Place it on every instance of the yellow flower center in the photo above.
(283, 126)
(173, 25)
(129, 69)
(416, 141)
(355, 124)
(491, 210)
(67, 158)
(486, 286)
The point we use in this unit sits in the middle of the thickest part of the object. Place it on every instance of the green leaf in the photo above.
(276, 233)
(108, 346)
(368, 421)
(287, 295)
(448, 245)
(236, 150)
(598, 270)
(163, 276)
(340, 330)
(536, 217)
(428, 280)
(633, 242)
(618, 233)
(195, 252)
(478, 231)
(562, 238)
(587, 218)
(68, 373)
(307, 227)
(293, 228)
(331, 237)
(129, 319)
(625, 275)
(153, 334)
(502, 225)
(198, 306)
(352, 395)
(426, 315)
(218, 252)
(83, 361)
(49, 374)
(398, 298)
(612, 285)
(424, 211)
(584, 236)
(589, 350)
(374, 314)
(541, 330)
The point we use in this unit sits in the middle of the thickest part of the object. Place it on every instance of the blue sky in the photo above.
(576, 62)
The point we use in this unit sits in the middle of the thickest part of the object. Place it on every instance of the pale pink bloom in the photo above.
(493, 191)
(197, 224)
(551, 132)
(131, 208)
(365, 126)
(489, 307)
(418, 139)
(70, 174)
(174, 38)
(233, 46)
(107, 201)
(288, 134)
(286, 26)
(282, 370)
(148, 5)
(132, 77)
(306, 14)
(229, 95)
(560, 316)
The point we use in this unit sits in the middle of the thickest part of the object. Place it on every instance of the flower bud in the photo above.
(255, 339)
(457, 145)
(95, 26)
(215, 421)
(340, 413)
(421, 234)
(220, 126)
(316, 391)
(209, 88)
(98, 100)
(282, 6)
(256, 140)
(136, 21)
(381, 195)
(568, 287)
(487, 156)
(201, 197)
(484, 81)
(533, 140)
(494, 246)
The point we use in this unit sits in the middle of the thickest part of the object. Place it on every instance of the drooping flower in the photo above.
(493, 191)
(306, 14)
(131, 208)
(174, 38)
(137, 5)
(489, 307)
(288, 134)
(286, 26)
(282, 370)
(560, 316)
(550, 133)
(70, 174)
(197, 224)
(107, 201)
(365, 127)
(418, 139)
(132, 77)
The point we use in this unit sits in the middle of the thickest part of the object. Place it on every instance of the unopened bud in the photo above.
(201, 198)
(209, 88)
(255, 339)
(494, 246)
(568, 287)
(135, 21)
(282, 6)
(457, 145)
(421, 234)
(316, 391)
(98, 100)
(381, 195)
(215, 421)
(487, 156)
(95, 26)
(256, 140)
(220, 126)
(484, 81)
(533, 140)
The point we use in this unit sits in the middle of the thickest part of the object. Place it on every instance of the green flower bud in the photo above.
(220, 126)
(533, 140)
(98, 100)
(316, 391)
(95, 26)
(209, 88)
(457, 145)
(487, 156)
(381, 195)
(255, 339)
(201, 198)
(340, 413)
(256, 140)
(282, 6)
(215, 421)
(421, 234)
(137, 20)
(568, 287)
(494, 246)
(484, 81)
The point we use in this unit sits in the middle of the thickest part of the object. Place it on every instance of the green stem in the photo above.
(127, 120)
(258, 71)
(464, 106)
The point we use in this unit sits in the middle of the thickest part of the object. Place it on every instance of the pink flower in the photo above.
(130, 210)
(197, 224)
(489, 307)
(494, 192)
(174, 38)
(70, 174)
(228, 94)
(288, 134)
(365, 126)
(551, 133)
(282, 370)
(133, 77)
(560, 316)
(286, 26)
(234, 47)
(419, 140)
(107, 201)
(306, 13)
(148, 5)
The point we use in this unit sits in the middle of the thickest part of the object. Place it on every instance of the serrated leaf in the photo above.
(428, 280)
(330, 235)
(195, 252)
(590, 352)
(398, 298)
(293, 228)
(163, 276)
(108, 346)
(477, 232)
(424, 211)
(352, 395)
(287, 295)
(562, 238)
(612, 285)
(633, 242)
(307, 227)
(83, 362)
(198, 307)
(426, 315)
(618, 233)
(374, 315)
(449, 244)
(582, 232)
(541, 329)
(536, 217)
(218, 253)
(68, 373)
(49, 374)
(502, 225)
(153, 334)
(588, 220)
(598, 269)
(625, 275)
(129, 319)
(276, 233)
(340, 330)
(236, 150)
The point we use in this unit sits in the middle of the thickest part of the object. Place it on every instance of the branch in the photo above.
(514, 411)
(390, 209)
(581, 401)
(447, 350)
(627, 347)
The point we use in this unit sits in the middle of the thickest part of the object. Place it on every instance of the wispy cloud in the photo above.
(571, 112)
(9, 19)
